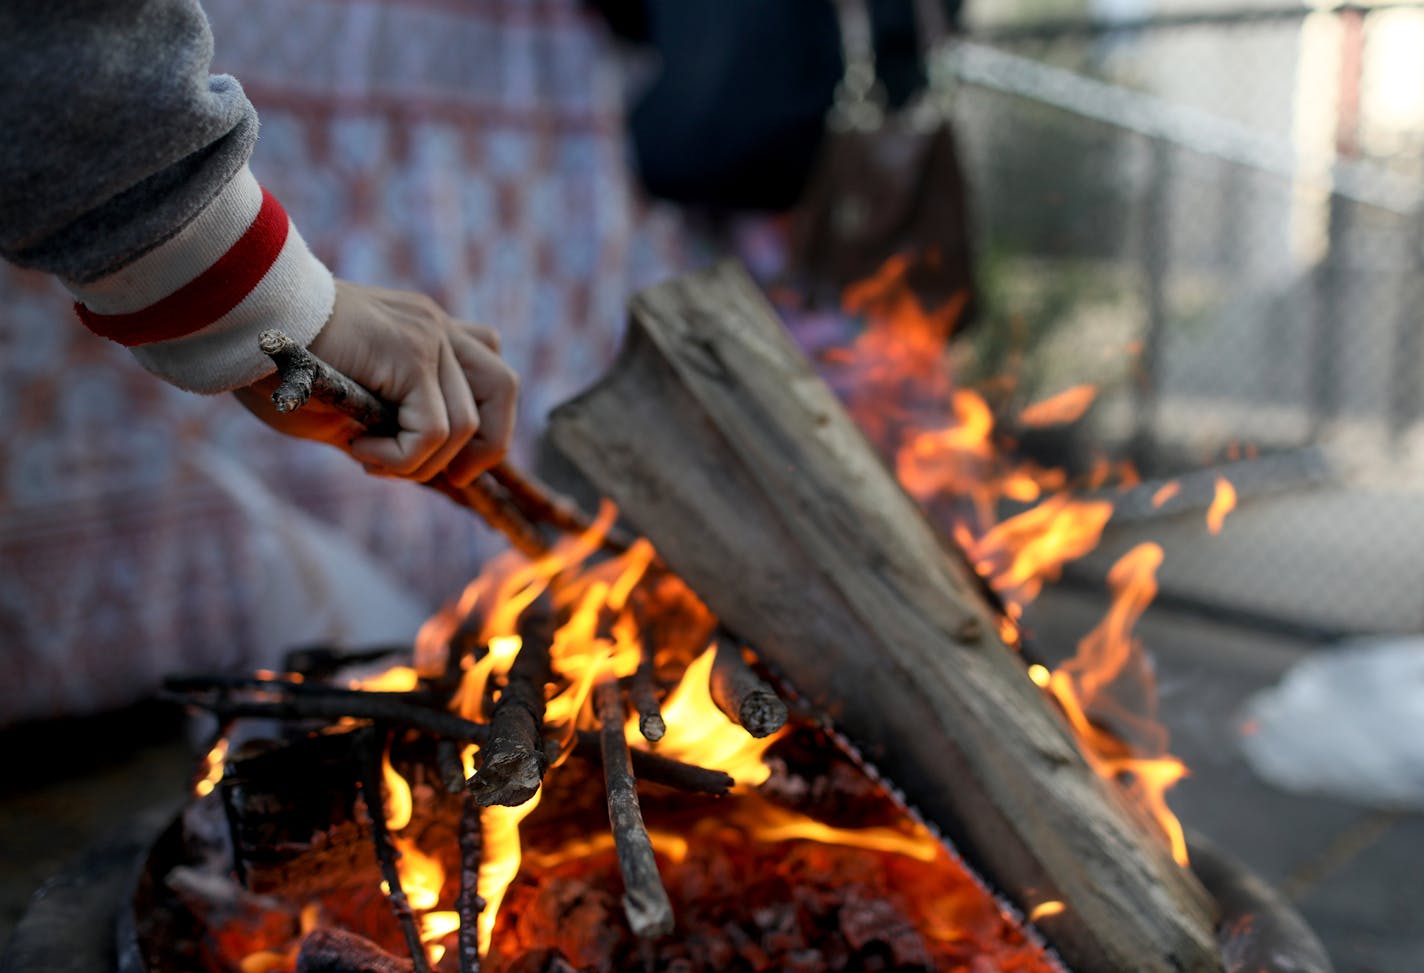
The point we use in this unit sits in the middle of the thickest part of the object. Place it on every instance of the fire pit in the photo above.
(381, 831)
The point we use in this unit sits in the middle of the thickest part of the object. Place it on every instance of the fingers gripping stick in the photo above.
(508, 501)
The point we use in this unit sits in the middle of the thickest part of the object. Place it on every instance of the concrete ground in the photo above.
(1355, 872)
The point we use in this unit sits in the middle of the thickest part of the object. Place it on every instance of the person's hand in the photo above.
(455, 395)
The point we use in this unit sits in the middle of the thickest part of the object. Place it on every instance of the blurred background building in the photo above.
(1213, 210)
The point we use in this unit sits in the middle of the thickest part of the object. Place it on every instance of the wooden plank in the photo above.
(721, 444)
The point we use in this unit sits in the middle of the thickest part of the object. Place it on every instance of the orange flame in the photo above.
(500, 862)
(1106, 656)
(699, 733)
(399, 804)
(1056, 410)
(1020, 554)
(1221, 504)
(213, 767)
(1045, 909)
(1164, 493)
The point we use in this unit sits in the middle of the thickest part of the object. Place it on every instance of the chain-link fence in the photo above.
(1217, 215)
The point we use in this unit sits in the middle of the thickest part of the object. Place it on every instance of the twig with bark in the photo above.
(397, 709)
(504, 498)
(741, 694)
(469, 905)
(370, 753)
(513, 762)
(645, 900)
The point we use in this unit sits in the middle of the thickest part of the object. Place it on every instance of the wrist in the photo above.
(190, 309)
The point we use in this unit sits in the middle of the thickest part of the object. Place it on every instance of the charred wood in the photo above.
(451, 766)
(369, 751)
(644, 697)
(718, 440)
(338, 951)
(469, 904)
(645, 900)
(395, 709)
(741, 694)
(514, 761)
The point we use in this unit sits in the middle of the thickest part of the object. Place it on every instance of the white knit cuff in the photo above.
(191, 309)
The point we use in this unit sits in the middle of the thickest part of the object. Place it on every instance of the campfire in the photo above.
(738, 743)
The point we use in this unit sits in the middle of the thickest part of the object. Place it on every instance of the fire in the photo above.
(1084, 685)
(1045, 909)
(1164, 493)
(698, 733)
(1065, 407)
(1019, 555)
(1222, 504)
(212, 770)
(949, 457)
(422, 877)
(399, 804)
(945, 447)
(500, 863)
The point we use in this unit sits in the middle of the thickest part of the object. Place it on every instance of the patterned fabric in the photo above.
(470, 150)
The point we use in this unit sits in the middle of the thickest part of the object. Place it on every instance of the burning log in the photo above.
(719, 441)
(644, 697)
(514, 761)
(645, 901)
(338, 951)
(740, 693)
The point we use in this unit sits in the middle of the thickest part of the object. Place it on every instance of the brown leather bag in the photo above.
(886, 184)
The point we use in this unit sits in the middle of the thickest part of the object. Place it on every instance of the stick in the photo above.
(279, 685)
(393, 709)
(469, 904)
(542, 505)
(645, 901)
(303, 375)
(451, 767)
(513, 763)
(370, 751)
(515, 510)
(387, 708)
(644, 697)
(741, 694)
(497, 511)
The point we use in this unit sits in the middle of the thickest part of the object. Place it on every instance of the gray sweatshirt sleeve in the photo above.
(123, 172)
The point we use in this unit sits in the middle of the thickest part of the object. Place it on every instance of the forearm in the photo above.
(125, 175)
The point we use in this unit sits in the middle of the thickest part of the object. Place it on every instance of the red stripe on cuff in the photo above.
(207, 297)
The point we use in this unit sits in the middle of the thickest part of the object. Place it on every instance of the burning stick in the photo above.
(370, 752)
(451, 767)
(644, 698)
(645, 901)
(542, 505)
(513, 763)
(740, 693)
(469, 905)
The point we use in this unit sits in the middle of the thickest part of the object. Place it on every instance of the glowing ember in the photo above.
(1065, 407)
(212, 770)
(1165, 492)
(1045, 909)
(1222, 504)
